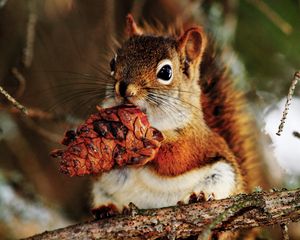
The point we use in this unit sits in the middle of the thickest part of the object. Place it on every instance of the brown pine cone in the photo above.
(113, 137)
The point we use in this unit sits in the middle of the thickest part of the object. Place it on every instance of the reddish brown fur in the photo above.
(225, 113)
(194, 42)
(131, 28)
(219, 130)
(186, 152)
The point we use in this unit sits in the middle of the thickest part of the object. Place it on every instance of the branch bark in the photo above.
(238, 212)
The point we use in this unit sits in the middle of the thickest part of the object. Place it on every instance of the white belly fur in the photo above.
(148, 190)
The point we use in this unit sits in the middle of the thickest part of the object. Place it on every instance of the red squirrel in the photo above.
(209, 147)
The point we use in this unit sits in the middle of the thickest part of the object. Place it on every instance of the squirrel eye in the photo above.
(164, 72)
(113, 65)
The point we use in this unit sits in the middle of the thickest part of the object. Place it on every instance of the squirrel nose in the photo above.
(125, 90)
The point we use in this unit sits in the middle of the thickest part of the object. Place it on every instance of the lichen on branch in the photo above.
(241, 211)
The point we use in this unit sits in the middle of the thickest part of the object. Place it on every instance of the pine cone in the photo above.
(113, 137)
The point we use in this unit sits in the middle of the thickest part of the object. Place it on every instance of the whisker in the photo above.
(101, 79)
(172, 108)
(81, 86)
(70, 72)
(65, 100)
(86, 104)
(178, 99)
(169, 108)
(82, 94)
(164, 99)
(90, 79)
(101, 69)
(158, 105)
(167, 90)
(93, 102)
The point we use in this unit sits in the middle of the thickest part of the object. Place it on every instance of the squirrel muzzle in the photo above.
(125, 90)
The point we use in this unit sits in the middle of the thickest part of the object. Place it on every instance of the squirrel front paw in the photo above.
(110, 210)
(197, 198)
(105, 211)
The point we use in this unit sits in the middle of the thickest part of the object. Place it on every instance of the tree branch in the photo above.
(13, 101)
(238, 212)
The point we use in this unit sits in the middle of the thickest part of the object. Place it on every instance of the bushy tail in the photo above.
(226, 112)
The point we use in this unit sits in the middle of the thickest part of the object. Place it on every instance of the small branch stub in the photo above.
(13, 101)
(288, 102)
(273, 16)
(30, 34)
(296, 134)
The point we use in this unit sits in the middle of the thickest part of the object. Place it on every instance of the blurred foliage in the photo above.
(271, 56)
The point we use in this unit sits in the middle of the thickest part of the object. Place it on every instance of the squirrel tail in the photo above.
(226, 113)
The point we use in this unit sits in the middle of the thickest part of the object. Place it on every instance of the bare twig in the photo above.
(296, 134)
(288, 102)
(22, 81)
(259, 209)
(283, 25)
(38, 114)
(13, 101)
(43, 132)
(30, 35)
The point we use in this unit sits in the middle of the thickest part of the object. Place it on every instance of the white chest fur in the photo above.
(148, 190)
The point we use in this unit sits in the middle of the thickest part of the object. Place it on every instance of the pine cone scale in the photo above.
(113, 137)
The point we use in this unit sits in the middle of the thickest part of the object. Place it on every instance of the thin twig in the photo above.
(43, 132)
(288, 102)
(284, 230)
(22, 82)
(30, 35)
(13, 101)
(296, 134)
(274, 17)
(38, 114)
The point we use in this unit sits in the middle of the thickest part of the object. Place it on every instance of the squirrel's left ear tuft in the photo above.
(192, 43)
(131, 27)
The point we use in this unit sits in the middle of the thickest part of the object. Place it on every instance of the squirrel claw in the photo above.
(196, 198)
(131, 209)
(106, 211)
(211, 197)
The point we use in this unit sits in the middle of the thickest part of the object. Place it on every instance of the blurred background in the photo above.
(49, 49)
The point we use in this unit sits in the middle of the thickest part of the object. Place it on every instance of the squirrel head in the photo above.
(160, 74)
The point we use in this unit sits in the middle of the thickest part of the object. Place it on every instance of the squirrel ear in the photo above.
(131, 27)
(192, 43)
